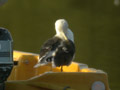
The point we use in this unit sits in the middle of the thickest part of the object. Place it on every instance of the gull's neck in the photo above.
(61, 34)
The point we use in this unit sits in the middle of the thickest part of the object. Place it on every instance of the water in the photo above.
(95, 23)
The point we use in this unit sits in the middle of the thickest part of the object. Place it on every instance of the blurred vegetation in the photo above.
(95, 23)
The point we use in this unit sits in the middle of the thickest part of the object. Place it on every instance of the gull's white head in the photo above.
(62, 30)
(61, 25)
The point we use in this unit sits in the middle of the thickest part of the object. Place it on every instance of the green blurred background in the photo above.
(95, 23)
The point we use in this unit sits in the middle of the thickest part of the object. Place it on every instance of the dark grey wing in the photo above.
(49, 45)
(47, 50)
(65, 53)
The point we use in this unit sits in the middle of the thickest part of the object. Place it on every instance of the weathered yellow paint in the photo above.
(25, 76)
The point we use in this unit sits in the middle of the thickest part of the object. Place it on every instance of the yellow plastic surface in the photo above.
(25, 76)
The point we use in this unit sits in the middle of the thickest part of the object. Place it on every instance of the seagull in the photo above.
(60, 49)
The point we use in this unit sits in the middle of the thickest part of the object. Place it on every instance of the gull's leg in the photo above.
(61, 68)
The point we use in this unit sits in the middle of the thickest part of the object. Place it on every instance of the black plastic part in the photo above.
(5, 34)
(2, 86)
(5, 68)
